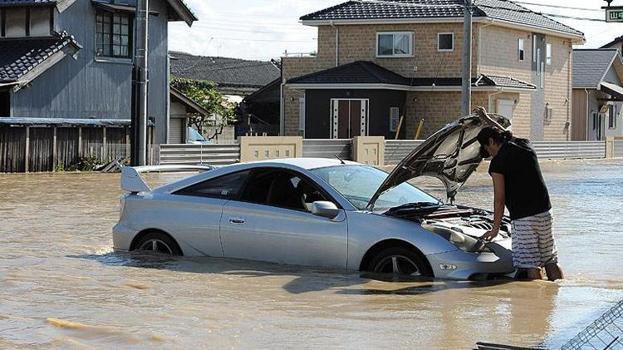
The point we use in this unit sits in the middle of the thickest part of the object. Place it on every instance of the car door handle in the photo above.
(236, 221)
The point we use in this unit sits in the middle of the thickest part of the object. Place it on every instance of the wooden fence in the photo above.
(38, 149)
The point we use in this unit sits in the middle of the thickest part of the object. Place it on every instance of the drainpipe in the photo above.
(337, 43)
(282, 127)
(587, 114)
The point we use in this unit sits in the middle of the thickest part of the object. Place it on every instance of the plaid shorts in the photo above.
(533, 243)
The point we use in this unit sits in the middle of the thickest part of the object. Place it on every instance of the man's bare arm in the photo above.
(499, 198)
(486, 118)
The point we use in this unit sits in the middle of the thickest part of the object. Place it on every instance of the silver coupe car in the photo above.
(324, 212)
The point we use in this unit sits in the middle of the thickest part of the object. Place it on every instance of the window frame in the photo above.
(612, 117)
(521, 49)
(548, 54)
(181, 191)
(439, 49)
(111, 15)
(393, 55)
(302, 176)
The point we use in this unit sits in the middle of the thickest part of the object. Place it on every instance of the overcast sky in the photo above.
(264, 29)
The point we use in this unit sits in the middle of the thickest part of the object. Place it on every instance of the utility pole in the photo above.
(466, 104)
(140, 85)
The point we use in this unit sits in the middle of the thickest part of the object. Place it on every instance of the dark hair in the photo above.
(495, 134)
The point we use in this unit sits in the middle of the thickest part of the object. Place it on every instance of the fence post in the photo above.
(104, 150)
(609, 147)
(80, 154)
(54, 155)
(26, 160)
(127, 142)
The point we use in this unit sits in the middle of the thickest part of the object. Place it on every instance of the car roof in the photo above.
(306, 163)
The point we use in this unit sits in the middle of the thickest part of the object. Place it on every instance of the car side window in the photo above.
(226, 186)
(281, 189)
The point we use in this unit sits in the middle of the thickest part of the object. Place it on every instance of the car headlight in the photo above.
(460, 240)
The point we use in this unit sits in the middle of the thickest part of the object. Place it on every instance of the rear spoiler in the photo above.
(132, 181)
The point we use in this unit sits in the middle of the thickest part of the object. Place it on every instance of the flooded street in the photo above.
(61, 286)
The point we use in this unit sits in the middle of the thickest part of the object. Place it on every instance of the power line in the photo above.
(558, 6)
(265, 40)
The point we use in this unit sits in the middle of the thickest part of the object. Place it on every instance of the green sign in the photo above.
(614, 15)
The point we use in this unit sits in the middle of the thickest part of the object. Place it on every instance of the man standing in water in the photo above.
(518, 184)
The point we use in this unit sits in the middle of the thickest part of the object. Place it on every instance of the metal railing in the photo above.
(328, 148)
(618, 149)
(396, 150)
(570, 149)
(199, 154)
(606, 332)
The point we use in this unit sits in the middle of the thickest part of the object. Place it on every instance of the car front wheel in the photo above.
(400, 261)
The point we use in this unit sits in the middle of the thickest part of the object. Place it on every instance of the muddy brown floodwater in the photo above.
(61, 286)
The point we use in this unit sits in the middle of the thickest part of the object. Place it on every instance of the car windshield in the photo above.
(357, 183)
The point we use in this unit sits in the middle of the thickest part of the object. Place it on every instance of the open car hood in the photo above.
(451, 155)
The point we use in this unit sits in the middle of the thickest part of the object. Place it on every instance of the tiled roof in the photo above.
(20, 56)
(590, 65)
(359, 72)
(365, 72)
(8, 3)
(502, 10)
(224, 72)
(503, 81)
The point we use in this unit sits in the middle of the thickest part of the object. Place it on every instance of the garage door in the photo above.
(176, 131)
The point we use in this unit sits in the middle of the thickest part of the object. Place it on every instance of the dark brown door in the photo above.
(343, 125)
(349, 120)
(355, 118)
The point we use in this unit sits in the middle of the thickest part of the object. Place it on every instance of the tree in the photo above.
(221, 111)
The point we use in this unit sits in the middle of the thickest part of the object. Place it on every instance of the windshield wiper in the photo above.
(415, 206)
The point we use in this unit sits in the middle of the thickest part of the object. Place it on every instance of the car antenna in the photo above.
(340, 159)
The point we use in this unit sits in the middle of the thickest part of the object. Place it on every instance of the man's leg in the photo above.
(526, 257)
(547, 247)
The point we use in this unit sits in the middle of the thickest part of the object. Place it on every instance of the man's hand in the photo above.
(481, 112)
(490, 235)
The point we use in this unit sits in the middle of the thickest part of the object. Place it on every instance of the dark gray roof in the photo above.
(20, 56)
(359, 72)
(224, 72)
(66, 122)
(503, 81)
(590, 65)
(8, 3)
(502, 10)
(365, 72)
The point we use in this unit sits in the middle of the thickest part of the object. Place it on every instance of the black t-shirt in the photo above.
(525, 190)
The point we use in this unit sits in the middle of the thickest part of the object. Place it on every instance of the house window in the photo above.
(548, 54)
(445, 42)
(522, 51)
(394, 118)
(399, 44)
(5, 104)
(612, 120)
(113, 34)
(595, 120)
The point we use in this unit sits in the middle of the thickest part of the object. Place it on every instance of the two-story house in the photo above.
(384, 66)
(73, 60)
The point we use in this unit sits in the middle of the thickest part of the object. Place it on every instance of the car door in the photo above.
(198, 210)
(272, 222)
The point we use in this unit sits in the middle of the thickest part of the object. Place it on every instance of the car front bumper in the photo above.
(458, 264)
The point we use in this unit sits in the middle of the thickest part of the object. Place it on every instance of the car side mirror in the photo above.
(325, 209)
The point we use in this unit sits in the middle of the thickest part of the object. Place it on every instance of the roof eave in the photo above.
(314, 23)
(183, 12)
(576, 38)
(188, 101)
(380, 86)
(46, 64)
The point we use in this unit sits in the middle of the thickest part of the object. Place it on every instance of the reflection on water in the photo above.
(62, 286)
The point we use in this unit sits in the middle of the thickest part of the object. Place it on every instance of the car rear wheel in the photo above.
(400, 261)
(158, 243)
